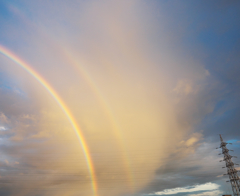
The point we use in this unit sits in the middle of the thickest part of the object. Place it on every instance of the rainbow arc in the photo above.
(10, 55)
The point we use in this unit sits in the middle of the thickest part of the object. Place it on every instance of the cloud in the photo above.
(203, 187)
(184, 86)
(3, 118)
(2, 128)
(137, 95)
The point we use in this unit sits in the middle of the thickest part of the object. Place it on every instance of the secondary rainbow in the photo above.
(7, 53)
(118, 133)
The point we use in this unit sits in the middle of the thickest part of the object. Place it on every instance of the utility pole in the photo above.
(231, 171)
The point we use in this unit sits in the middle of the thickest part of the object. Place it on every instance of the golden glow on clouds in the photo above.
(65, 109)
(114, 83)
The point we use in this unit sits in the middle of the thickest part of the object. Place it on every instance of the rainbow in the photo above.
(92, 84)
(116, 127)
(10, 55)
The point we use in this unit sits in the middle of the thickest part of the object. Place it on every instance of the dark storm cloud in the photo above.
(211, 34)
(197, 168)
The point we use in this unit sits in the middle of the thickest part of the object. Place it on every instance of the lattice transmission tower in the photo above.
(231, 171)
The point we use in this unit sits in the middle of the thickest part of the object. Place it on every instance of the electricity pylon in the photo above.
(231, 171)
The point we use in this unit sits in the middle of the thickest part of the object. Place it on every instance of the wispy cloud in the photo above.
(189, 189)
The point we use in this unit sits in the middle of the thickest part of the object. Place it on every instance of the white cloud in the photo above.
(2, 128)
(203, 187)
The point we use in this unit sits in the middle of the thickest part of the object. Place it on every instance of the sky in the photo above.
(118, 98)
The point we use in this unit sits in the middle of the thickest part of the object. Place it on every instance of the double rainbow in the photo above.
(7, 53)
(115, 125)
